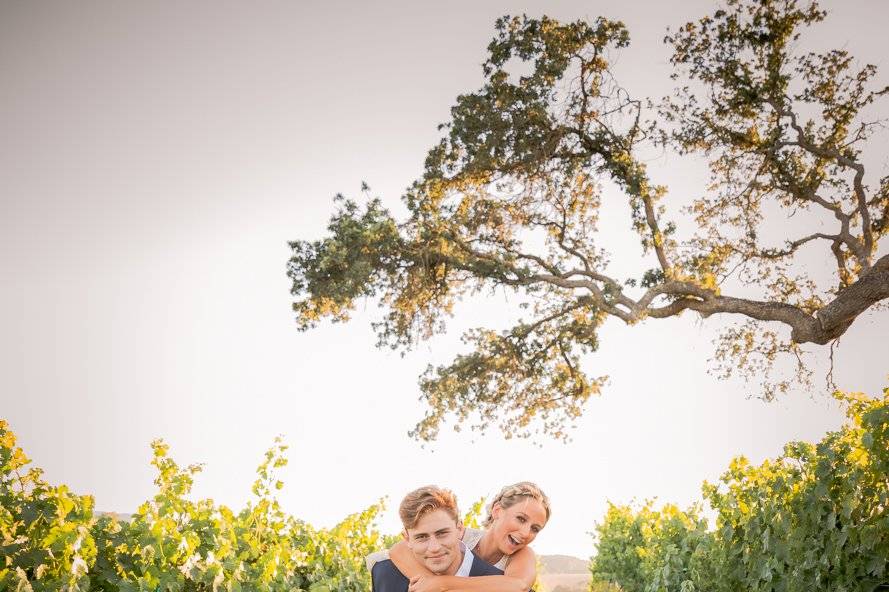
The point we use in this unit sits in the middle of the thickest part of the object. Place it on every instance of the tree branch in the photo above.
(793, 246)
(864, 248)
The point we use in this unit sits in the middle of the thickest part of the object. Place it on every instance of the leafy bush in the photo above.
(815, 518)
(45, 538)
(50, 539)
(649, 550)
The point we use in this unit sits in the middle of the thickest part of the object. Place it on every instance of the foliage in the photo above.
(509, 201)
(649, 550)
(816, 517)
(50, 539)
(45, 539)
(472, 516)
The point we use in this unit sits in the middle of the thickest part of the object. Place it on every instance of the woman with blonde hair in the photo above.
(515, 516)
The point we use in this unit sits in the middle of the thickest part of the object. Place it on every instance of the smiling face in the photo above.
(435, 542)
(516, 526)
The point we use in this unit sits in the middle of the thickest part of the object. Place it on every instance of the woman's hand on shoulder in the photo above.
(426, 584)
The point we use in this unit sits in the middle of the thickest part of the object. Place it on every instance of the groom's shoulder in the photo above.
(386, 577)
(480, 567)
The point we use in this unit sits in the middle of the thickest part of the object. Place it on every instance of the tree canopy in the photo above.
(510, 197)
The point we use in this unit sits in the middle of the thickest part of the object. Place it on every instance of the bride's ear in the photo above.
(496, 510)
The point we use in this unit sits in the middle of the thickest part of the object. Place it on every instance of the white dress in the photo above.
(471, 538)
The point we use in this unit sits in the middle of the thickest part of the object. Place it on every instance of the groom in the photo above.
(432, 530)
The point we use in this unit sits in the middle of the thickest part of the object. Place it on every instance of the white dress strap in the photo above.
(472, 537)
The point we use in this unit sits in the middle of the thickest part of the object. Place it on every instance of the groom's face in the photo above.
(435, 542)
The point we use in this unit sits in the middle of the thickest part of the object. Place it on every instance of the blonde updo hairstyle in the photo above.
(515, 493)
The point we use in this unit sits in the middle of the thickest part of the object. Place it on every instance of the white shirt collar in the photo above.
(466, 566)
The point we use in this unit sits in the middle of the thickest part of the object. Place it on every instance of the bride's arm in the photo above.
(405, 561)
(519, 577)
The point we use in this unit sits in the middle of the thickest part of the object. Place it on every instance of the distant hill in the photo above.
(563, 564)
(564, 573)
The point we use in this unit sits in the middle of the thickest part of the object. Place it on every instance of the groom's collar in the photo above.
(466, 566)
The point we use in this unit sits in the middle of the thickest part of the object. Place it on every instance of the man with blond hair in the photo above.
(432, 531)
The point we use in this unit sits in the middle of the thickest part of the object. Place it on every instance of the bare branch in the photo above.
(794, 245)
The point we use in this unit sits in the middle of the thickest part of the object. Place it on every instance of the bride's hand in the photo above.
(425, 584)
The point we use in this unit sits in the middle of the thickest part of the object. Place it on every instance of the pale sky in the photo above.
(155, 160)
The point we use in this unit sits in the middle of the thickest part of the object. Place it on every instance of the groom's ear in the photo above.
(405, 535)
(460, 528)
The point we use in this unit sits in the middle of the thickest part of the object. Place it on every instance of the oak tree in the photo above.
(510, 197)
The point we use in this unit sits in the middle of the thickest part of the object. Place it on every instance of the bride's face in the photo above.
(516, 526)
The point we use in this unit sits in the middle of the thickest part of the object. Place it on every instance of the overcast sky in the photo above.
(155, 159)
